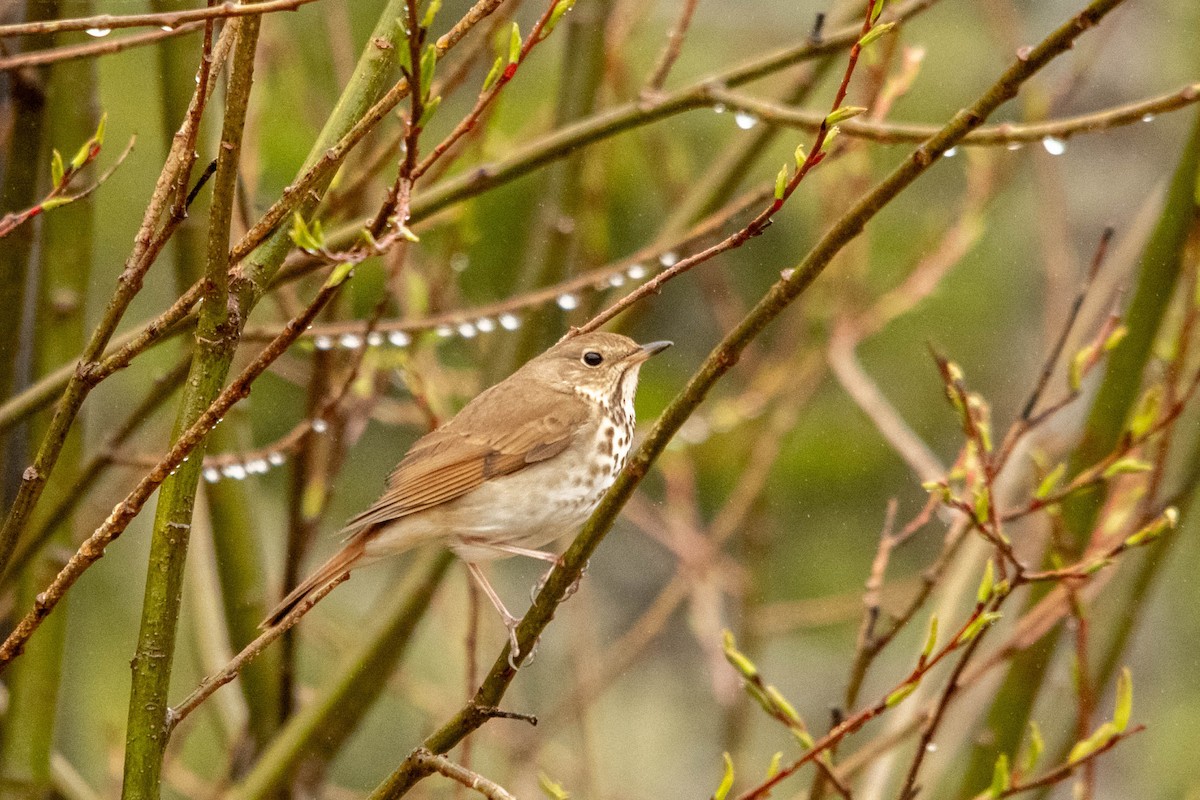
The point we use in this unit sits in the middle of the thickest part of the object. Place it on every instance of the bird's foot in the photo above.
(571, 590)
(574, 587)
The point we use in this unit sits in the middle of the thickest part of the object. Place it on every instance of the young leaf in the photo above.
(898, 695)
(57, 170)
(429, 61)
(977, 625)
(1001, 778)
(1082, 749)
(726, 780)
(429, 110)
(875, 33)
(1124, 704)
(737, 659)
(876, 11)
(1050, 481)
(1146, 413)
(431, 13)
(800, 156)
(551, 788)
(1036, 746)
(984, 592)
(339, 275)
(514, 44)
(560, 8)
(781, 180)
(1162, 523)
(493, 74)
(773, 767)
(931, 639)
(842, 114)
(1127, 465)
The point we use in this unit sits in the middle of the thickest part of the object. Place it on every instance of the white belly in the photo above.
(529, 509)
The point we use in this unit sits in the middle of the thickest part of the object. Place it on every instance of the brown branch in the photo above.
(107, 22)
(674, 45)
(91, 49)
(456, 772)
(92, 550)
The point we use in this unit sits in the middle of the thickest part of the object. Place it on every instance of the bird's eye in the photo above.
(592, 358)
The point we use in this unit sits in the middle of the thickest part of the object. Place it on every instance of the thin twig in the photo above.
(674, 45)
(91, 49)
(107, 22)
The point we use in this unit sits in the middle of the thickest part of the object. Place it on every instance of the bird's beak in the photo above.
(647, 350)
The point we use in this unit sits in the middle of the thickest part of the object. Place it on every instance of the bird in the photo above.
(521, 465)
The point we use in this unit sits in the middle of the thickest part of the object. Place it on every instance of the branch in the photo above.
(991, 135)
(90, 49)
(718, 362)
(174, 19)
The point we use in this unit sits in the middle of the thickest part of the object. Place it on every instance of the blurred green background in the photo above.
(659, 729)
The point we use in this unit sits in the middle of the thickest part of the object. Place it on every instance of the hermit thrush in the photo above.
(521, 465)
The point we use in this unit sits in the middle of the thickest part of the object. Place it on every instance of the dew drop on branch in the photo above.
(1055, 147)
(951, 153)
(567, 302)
(1147, 117)
(668, 259)
(467, 330)
(375, 338)
(323, 343)
(1015, 146)
(744, 120)
(350, 341)
(444, 331)
(719, 108)
(485, 324)
(636, 272)
(510, 322)
(399, 339)
(319, 426)
(99, 33)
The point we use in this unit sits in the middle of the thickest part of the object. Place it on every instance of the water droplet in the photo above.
(1024, 52)
(319, 426)
(931, 747)
(167, 28)
(719, 108)
(567, 302)
(744, 120)
(212, 474)
(466, 330)
(510, 322)
(1055, 147)
(636, 272)
(322, 343)
(350, 341)
(275, 459)
(616, 280)
(668, 259)
(951, 153)
(459, 262)
(1014, 146)
(235, 471)
(444, 331)
(256, 467)
(1147, 117)
(399, 339)
(485, 324)
(172, 472)
(375, 338)
(99, 33)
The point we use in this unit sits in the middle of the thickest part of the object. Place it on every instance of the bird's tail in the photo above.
(341, 562)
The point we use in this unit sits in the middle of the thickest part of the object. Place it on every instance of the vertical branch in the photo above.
(216, 337)
(65, 255)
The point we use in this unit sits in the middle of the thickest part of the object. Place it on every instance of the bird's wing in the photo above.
(458, 457)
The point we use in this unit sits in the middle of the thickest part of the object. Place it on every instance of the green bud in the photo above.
(429, 61)
(1080, 364)
(983, 505)
(51, 203)
(1160, 525)
(1115, 338)
(514, 44)
(984, 593)
(431, 13)
(493, 74)
(899, 695)
(842, 114)
(429, 110)
(57, 170)
(1082, 749)
(876, 11)
(800, 156)
(560, 8)
(773, 767)
(1049, 482)
(1146, 413)
(726, 780)
(977, 625)
(931, 639)
(737, 659)
(549, 787)
(875, 33)
(1124, 704)
(1036, 746)
(785, 709)
(339, 274)
(1126, 465)
(1001, 779)
(781, 180)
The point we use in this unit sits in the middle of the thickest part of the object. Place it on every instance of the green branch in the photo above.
(718, 362)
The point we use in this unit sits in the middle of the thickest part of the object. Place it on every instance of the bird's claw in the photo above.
(571, 590)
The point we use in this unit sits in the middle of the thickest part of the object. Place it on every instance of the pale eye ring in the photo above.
(592, 358)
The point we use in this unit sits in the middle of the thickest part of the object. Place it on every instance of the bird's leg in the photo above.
(510, 622)
(540, 555)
